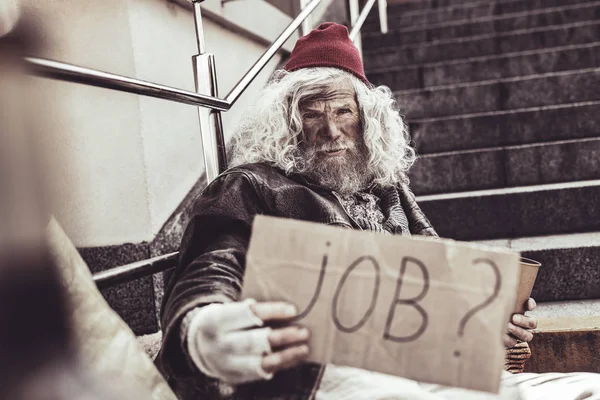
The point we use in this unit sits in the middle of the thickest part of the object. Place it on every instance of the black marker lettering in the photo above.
(338, 290)
(315, 297)
(409, 302)
(486, 302)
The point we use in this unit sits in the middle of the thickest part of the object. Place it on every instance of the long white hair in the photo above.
(272, 129)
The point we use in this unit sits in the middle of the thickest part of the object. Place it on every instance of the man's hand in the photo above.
(229, 341)
(289, 343)
(518, 328)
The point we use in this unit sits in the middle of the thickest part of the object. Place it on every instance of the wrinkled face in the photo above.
(332, 139)
(331, 122)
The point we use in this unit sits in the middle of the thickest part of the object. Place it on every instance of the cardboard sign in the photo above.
(421, 308)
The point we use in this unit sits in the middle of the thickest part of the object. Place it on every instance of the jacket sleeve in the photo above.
(417, 221)
(211, 264)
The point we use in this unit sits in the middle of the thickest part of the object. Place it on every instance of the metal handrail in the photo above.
(239, 88)
(77, 74)
(72, 73)
(92, 77)
(361, 19)
(136, 270)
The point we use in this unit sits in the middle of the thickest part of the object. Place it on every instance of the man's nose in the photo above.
(330, 130)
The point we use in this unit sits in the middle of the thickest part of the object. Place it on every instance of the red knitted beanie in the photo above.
(327, 46)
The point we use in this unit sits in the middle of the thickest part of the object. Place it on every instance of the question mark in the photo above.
(485, 303)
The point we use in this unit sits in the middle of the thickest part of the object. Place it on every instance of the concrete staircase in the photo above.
(503, 102)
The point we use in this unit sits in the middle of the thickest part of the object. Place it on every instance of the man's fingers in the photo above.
(284, 359)
(531, 304)
(509, 341)
(288, 336)
(269, 311)
(524, 321)
(520, 333)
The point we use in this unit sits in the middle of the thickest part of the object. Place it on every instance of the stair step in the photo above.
(501, 94)
(504, 128)
(151, 343)
(569, 241)
(515, 212)
(567, 344)
(532, 164)
(133, 301)
(484, 68)
(570, 267)
(410, 5)
(550, 312)
(570, 274)
(480, 45)
(577, 323)
(586, 11)
(422, 13)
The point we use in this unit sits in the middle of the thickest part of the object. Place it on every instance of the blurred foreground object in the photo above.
(38, 359)
(105, 342)
(22, 214)
(59, 340)
(9, 15)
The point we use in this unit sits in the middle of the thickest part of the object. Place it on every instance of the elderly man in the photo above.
(321, 145)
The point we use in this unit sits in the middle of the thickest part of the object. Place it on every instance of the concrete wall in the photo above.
(125, 162)
(291, 8)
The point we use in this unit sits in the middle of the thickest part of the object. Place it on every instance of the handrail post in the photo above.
(383, 21)
(355, 32)
(211, 126)
(306, 26)
(354, 14)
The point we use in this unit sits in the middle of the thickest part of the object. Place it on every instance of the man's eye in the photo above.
(345, 111)
(310, 115)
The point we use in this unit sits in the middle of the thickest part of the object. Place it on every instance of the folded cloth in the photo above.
(516, 357)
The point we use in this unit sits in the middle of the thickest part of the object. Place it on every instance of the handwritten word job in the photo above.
(396, 300)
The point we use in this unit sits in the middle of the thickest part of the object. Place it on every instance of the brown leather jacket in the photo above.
(212, 262)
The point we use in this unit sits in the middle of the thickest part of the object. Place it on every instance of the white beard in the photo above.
(345, 174)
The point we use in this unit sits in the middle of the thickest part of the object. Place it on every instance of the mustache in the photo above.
(333, 146)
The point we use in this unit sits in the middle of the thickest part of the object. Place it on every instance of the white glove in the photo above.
(222, 346)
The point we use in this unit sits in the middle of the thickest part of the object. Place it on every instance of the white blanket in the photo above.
(341, 383)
